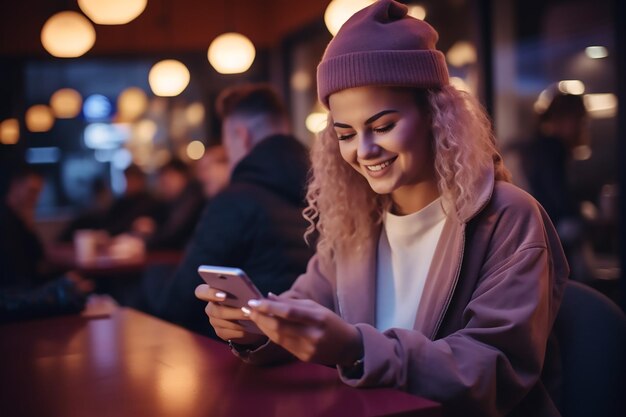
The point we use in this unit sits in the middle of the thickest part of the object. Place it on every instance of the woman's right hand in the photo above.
(224, 319)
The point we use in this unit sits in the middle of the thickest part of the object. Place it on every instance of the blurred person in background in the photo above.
(29, 286)
(213, 170)
(545, 161)
(256, 222)
(181, 205)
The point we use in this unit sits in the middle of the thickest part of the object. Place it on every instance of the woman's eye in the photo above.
(345, 136)
(385, 128)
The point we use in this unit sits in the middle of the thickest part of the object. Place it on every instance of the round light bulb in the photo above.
(112, 12)
(68, 35)
(39, 118)
(231, 53)
(168, 78)
(338, 11)
(66, 103)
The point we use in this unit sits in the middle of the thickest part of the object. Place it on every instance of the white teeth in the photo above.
(379, 166)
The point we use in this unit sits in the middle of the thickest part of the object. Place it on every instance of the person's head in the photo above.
(173, 177)
(23, 192)
(136, 181)
(565, 118)
(398, 135)
(249, 114)
(213, 171)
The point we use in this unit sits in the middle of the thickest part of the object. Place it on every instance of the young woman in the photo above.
(433, 274)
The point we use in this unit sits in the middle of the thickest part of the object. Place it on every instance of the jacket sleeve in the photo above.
(486, 367)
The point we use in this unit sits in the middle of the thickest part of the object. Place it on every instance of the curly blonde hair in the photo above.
(343, 208)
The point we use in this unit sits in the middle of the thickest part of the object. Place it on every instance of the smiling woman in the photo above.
(433, 274)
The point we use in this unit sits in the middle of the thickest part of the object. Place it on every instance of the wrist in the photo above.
(354, 350)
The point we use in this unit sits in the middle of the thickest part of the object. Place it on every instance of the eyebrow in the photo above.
(368, 121)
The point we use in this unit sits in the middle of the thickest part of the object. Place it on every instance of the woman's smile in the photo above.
(379, 169)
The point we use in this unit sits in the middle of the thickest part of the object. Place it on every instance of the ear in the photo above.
(247, 139)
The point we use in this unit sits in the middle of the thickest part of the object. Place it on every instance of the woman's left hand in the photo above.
(308, 330)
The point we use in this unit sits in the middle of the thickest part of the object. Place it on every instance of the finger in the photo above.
(224, 312)
(225, 324)
(287, 310)
(206, 293)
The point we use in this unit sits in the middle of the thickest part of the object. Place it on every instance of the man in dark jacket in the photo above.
(256, 222)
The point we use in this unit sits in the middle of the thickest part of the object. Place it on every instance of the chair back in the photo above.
(591, 332)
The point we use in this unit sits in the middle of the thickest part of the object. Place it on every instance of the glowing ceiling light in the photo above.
(66, 103)
(231, 53)
(168, 78)
(575, 87)
(68, 35)
(39, 118)
(338, 11)
(417, 11)
(9, 132)
(596, 52)
(112, 12)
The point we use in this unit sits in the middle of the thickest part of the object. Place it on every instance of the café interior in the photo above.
(90, 88)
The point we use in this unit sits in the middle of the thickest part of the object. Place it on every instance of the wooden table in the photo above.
(131, 364)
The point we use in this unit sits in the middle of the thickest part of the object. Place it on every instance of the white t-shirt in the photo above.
(405, 250)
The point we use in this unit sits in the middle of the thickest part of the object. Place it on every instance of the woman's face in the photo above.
(385, 136)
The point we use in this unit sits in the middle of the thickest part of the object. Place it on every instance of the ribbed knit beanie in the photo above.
(381, 45)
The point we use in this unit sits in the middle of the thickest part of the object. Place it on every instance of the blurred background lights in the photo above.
(338, 11)
(461, 53)
(105, 136)
(39, 118)
(543, 101)
(417, 11)
(596, 52)
(168, 78)
(145, 131)
(194, 113)
(68, 35)
(195, 150)
(121, 159)
(97, 107)
(316, 122)
(231, 53)
(131, 104)
(9, 132)
(301, 80)
(112, 12)
(575, 87)
(460, 84)
(601, 106)
(66, 103)
(43, 155)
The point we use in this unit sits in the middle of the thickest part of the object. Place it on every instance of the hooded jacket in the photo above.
(482, 341)
(255, 224)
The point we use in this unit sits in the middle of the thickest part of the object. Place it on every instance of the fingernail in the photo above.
(254, 303)
(271, 294)
(246, 311)
(220, 295)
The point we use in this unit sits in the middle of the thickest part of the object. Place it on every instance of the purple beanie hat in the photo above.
(381, 45)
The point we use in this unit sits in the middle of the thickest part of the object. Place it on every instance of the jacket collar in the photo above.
(356, 271)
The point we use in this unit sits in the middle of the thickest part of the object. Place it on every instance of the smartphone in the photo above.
(237, 286)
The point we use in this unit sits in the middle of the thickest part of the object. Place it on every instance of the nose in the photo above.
(367, 148)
